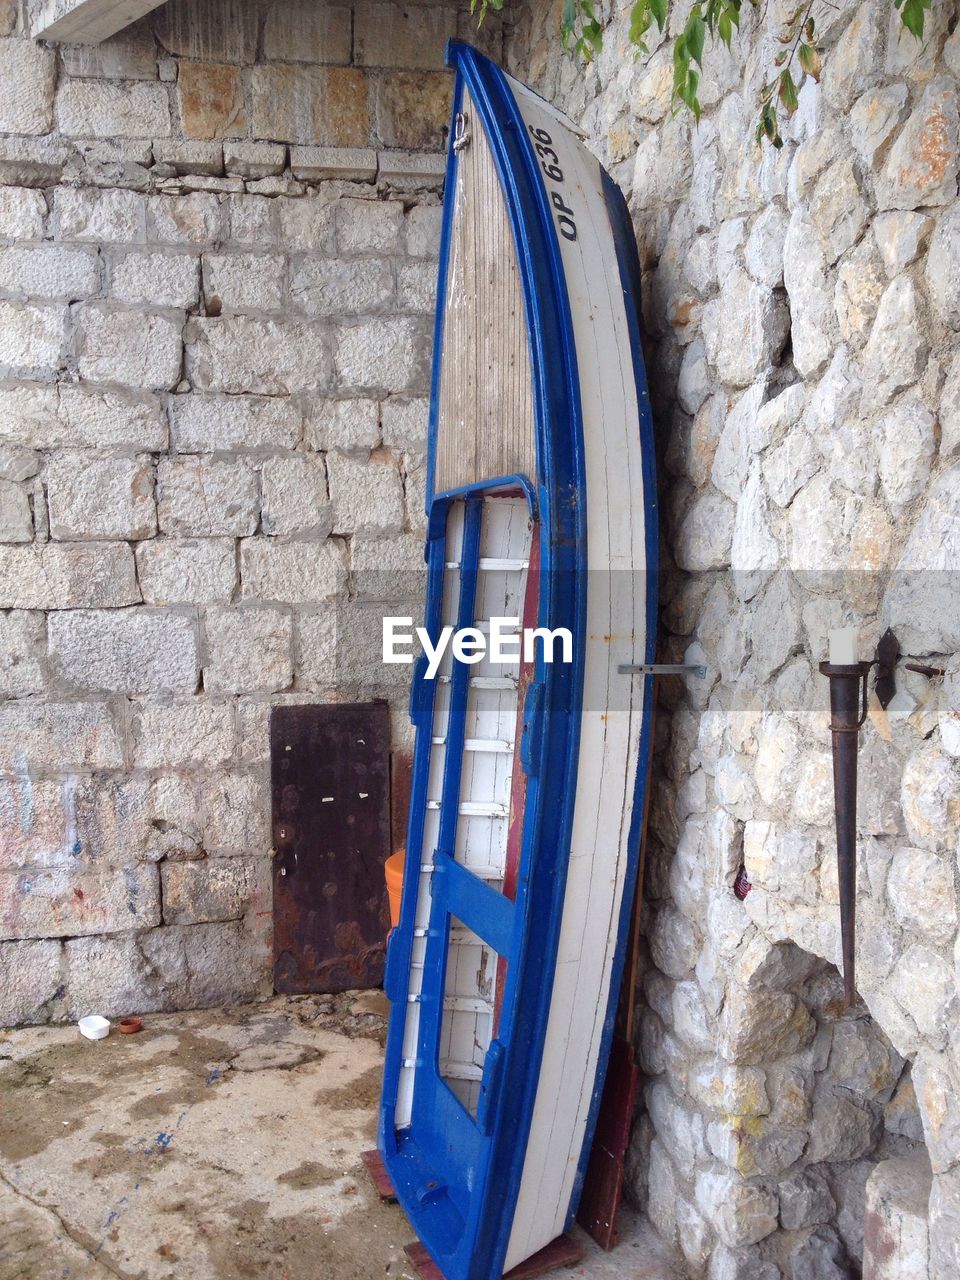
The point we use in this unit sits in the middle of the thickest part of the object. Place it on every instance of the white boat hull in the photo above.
(613, 704)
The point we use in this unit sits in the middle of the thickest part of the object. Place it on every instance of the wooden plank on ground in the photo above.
(603, 1184)
(379, 1176)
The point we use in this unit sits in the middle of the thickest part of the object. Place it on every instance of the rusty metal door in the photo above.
(330, 777)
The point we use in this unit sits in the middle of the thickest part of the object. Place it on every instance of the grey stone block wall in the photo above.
(802, 337)
(218, 244)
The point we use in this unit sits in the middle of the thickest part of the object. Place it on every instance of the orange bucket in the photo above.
(393, 871)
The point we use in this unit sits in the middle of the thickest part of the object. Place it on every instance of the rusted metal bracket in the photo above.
(848, 711)
(921, 668)
(888, 655)
(461, 132)
(660, 669)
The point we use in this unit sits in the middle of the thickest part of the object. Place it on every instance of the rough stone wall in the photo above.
(801, 311)
(218, 234)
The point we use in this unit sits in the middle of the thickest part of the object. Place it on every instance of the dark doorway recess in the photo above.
(330, 779)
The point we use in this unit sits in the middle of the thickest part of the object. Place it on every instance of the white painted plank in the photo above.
(475, 809)
(486, 682)
(490, 564)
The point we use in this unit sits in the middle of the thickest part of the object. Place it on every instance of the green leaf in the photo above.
(593, 34)
(725, 28)
(685, 80)
(639, 22)
(788, 91)
(579, 28)
(912, 13)
(569, 20)
(696, 32)
(659, 10)
(768, 127)
(692, 101)
(810, 61)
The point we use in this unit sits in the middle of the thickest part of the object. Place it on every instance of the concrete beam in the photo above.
(84, 21)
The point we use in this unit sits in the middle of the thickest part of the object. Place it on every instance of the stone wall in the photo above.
(801, 321)
(218, 234)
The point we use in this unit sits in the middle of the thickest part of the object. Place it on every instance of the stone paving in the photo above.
(218, 1145)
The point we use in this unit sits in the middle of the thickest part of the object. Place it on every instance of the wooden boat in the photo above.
(528, 780)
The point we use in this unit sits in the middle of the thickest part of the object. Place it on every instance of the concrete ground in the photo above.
(219, 1145)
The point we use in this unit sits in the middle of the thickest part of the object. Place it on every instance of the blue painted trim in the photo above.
(516, 481)
(628, 262)
(483, 910)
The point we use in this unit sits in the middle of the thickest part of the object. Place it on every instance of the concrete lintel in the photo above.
(84, 21)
